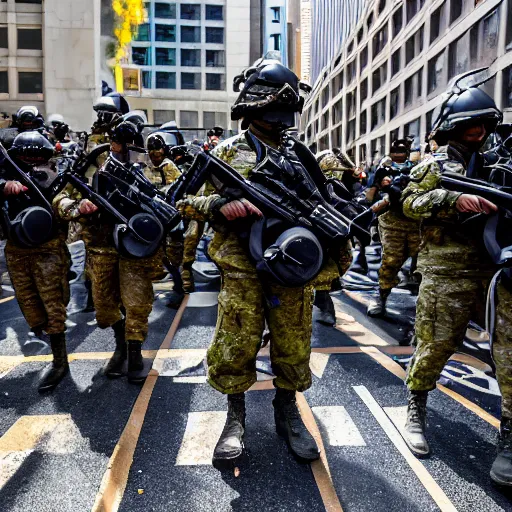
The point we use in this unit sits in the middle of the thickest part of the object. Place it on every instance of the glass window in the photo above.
(276, 14)
(141, 56)
(189, 119)
(167, 11)
(215, 82)
(30, 82)
(165, 80)
(458, 56)
(379, 40)
(215, 12)
(215, 58)
(27, 1)
(507, 87)
(435, 72)
(455, 10)
(143, 33)
(30, 39)
(363, 58)
(191, 58)
(147, 80)
(394, 103)
(364, 90)
(190, 34)
(165, 33)
(413, 129)
(165, 56)
(408, 91)
(363, 123)
(4, 42)
(190, 11)
(191, 80)
(163, 116)
(435, 23)
(4, 82)
(395, 63)
(211, 119)
(216, 35)
(398, 20)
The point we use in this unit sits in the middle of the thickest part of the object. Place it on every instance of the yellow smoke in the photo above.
(130, 14)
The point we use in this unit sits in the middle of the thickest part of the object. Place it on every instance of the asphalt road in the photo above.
(95, 444)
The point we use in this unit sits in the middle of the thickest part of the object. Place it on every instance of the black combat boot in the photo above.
(60, 367)
(230, 446)
(138, 369)
(377, 307)
(327, 314)
(414, 431)
(501, 471)
(290, 426)
(114, 368)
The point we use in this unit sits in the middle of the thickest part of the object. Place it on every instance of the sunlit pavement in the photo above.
(97, 444)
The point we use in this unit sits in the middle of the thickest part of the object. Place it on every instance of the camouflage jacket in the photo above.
(225, 248)
(446, 249)
(164, 175)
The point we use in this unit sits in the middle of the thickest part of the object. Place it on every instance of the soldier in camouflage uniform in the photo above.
(399, 235)
(453, 262)
(39, 274)
(242, 312)
(163, 172)
(333, 167)
(121, 287)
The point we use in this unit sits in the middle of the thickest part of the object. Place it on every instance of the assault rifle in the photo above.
(498, 229)
(142, 217)
(28, 217)
(302, 205)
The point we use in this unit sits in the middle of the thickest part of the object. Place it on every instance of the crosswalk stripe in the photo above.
(438, 495)
(114, 480)
(318, 363)
(357, 332)
(201, 435)
(339, 427)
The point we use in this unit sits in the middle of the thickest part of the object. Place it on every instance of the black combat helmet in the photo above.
(110, 108)
(270, 92)
(125, 133)
(464, 104)
(32, 148)
(28, 118)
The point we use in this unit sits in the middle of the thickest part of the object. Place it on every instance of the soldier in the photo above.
(121, 287)
(333, 167)
(39, 273)
(399, 235)
(242, 311)
(454, 265)
(163, 172)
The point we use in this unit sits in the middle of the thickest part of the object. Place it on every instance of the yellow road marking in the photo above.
(7, 299)
(443, 502)
(320, 467)
(114, 480)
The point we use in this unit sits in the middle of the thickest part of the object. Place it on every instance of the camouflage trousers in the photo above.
(193, 236)
(40, 280)
(238, 336)
(119, 283)
(502, 348)
(400, 240)
(444, 308)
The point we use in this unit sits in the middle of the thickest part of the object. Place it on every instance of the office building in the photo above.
(49, 57)
(389, 76)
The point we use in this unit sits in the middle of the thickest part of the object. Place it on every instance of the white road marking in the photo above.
(398, 415)
(337, 424)
(201, 435)
(203, 299)
(318, 363)
(439, 496)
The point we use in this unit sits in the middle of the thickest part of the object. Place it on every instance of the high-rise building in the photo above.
(183, 60)
(390, 74)
(332, 21)
(49, 57)
(305, 45)
(275, 28)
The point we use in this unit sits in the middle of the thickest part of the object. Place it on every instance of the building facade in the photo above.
(182, 62)
(390, 74)
(49, 57)
(275, 28)
(332, 22)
